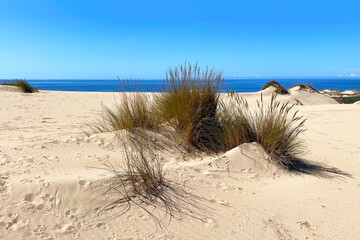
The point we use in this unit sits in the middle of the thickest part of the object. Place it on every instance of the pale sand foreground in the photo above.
(49, 186)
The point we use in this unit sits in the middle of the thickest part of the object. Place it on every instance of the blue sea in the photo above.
(239, 85)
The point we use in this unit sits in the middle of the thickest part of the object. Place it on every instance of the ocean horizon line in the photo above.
(155, 85)
(162, 78)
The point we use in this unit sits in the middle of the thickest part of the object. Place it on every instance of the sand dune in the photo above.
(52, 185)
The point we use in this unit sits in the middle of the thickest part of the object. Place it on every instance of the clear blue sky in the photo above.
(66, 39)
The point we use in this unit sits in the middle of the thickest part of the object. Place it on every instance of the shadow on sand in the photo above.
(302, 166)
(172, 201)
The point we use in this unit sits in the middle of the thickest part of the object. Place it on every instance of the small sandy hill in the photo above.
(247, 157)
(5, 88)
(309, 96)
(253, 97)
(269, 90)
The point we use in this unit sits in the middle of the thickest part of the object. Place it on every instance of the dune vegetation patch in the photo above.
(133, 111)
(21, 84)
(190, 105)
(280, 89)
(347, 100)
(277, 130)
(273, 125)
(141, 175)
(305, 87)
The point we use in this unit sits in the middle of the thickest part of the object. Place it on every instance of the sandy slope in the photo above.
(51, 187)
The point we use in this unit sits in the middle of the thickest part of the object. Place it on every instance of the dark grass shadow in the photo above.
(301, 166)
(174, 201)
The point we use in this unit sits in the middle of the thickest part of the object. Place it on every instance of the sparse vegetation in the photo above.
(191, 106)
(280, 89)
(140, 180)
(22, 84)
(142, 176)
(305, 87)
(347, 100)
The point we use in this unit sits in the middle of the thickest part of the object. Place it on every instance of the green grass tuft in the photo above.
(272, 125)
(236, 122)
(189, 104)
(277, 131)
(134, 111)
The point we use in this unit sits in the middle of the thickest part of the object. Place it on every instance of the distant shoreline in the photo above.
(239, 85)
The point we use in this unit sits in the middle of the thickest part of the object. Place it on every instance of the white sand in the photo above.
(50, 184)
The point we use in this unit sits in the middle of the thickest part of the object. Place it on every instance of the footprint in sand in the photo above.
(66, 228)
(219, 201)
(84, 183)
(12, 222)
(99, 225)
(306, 225)
(4, 184)
(210, 223)
(33, 202)
(3, 160)
(71, 213)
(39, 230)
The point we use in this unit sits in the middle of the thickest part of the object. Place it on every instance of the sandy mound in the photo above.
(310, 97)
(266, 94)
(4, 88)
(247, 157)
(269, 90)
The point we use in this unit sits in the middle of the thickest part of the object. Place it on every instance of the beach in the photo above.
(53, 185)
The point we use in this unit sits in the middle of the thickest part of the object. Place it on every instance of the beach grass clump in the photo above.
(134, 111)
(274, 125)
(140, 176)
(277, 130)
(305, 87)
(280, 89)
(189, 103)
(190, 106)
(235, 118)
(22, 84)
